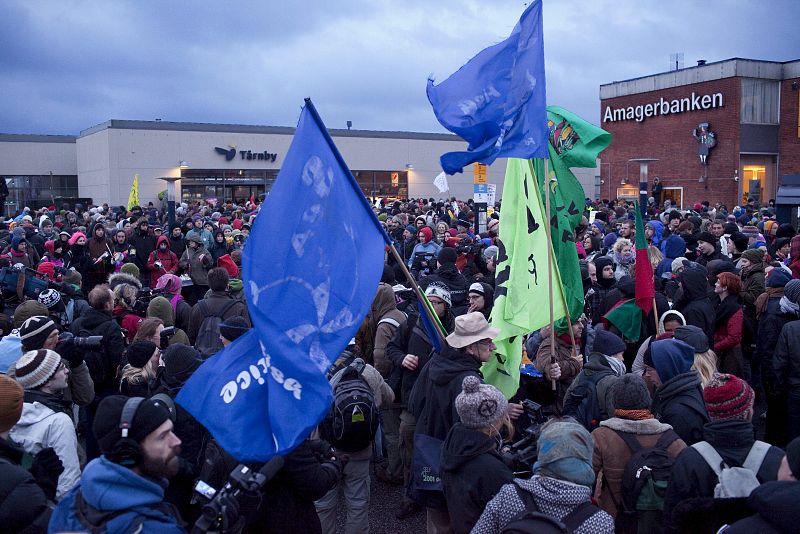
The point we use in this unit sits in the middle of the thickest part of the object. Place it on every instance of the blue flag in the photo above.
(311, 268)
(496, 102)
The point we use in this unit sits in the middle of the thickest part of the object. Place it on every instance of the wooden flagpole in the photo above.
(549, 268)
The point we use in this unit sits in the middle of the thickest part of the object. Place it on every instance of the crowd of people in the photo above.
(682, 419)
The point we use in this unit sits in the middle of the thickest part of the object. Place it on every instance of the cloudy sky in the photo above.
(66, 65)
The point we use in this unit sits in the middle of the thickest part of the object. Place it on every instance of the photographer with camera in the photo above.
(123, 490)
(425, 247)
(473, 470)
(448, 275)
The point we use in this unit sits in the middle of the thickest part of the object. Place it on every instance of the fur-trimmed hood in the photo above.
(123, 278)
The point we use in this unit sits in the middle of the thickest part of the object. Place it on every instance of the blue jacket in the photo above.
(673, 247)
(108, 487)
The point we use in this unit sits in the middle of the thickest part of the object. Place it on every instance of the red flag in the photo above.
(252, 199)
(645, 283)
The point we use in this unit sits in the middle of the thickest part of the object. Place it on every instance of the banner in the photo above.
(133, 196)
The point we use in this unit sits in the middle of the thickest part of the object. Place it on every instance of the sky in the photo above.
(66, 65)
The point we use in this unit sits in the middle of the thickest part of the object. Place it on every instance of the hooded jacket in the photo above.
(41, 427)
(197, 263)
(103, 365)
(695, 305)
(679, 403)
(674, 247)
(775, 504)
(23, 504)
(658, 232)
(143, 243)
(385, 320)
(448, 275)
(472, 474)
(598, 364)
(109, 487)
(167, 259)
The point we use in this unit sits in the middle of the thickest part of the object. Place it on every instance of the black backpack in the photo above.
(532, 521)
(582, 402)
(207, 341)
(644, 484)
(353, 420)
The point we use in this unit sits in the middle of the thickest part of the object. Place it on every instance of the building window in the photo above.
(36, 191)
(753, 186)
(759, 101)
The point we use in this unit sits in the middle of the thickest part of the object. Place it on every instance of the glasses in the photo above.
(485, 342)
(437, 302)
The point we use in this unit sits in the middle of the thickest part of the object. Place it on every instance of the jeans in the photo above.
(391, 435)
(355, 486)
(408, 424)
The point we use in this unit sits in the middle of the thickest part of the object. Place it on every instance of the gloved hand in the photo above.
(321, 449)
(339, 462)
(67, 350)
(45, 469)
(230, 511)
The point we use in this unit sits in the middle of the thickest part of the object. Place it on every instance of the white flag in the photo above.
(441, 182)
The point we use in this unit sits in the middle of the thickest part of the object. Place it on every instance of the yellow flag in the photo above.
(133, 197)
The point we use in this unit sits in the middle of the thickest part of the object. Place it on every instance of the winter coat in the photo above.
(411, 338)
(23, 504)
(385, 320)
(612, 454)
(214, 304)
(556, 498)
(691, 475)
(472, 474)
(597, 363)
(108, 487)
(728, 335)
(449, 276)
(41, 427)
(775, 504)
(784, 371)
(753, 284)
(100, 323)
(143, 243)
(695, 305)
(203, 234)
(769, 330)
(674, 247)
(128, 321)
(168, 260)
(197, 268)
(217, 250)
(679, 402)
(431, 247)
(570, 366)
(178, 246)
(596, 301)
(292, 492)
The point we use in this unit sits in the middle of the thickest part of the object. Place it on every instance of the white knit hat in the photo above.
(36, 367)
(440, 291)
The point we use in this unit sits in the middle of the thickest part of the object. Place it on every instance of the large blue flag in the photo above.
(311, 268)
(496, 102)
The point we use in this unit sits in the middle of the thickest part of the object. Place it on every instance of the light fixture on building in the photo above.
(736, 175)
(409, 167)
(183, 165)
(624, 181)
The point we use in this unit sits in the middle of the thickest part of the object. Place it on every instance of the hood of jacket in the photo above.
(384, 302)
(777, 503)
(678, 385)
(160, 308)
(109, 486)
(123, 278)
(462, 444)
(658, 233)
(162, 239)
(671, 357)
(674, 247)
(32, 413)
(92, 318)
(449, 364)
(729, 434)
(449, 272)
(639, 427)
(695, 283)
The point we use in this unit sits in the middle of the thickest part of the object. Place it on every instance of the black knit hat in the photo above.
(233, 328)
(447, 255)
(708, 237)
(140, 352)
(35, 330)
(793, 457)
(150, 415)
(692, 335)
(630, 393)
(609, 343)
(180, 361)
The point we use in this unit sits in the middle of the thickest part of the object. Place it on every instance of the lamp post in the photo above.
(643, 182)
(170, 197)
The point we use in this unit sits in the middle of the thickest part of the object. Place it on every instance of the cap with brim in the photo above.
(471, 328)
(476, 287)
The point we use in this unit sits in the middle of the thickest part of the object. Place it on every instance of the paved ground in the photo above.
(383, 505)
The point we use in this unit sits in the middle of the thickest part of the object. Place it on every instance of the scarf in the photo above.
(726, 308)
(617, 366)
(624, 260)
(633, 415)
(787, 306)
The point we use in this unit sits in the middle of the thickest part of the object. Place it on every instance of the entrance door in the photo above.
(675, 195)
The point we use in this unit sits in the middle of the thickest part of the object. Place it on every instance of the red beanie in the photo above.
(426, 231)
(237, 224)
(728, 397)
(47, 268)
(226, 262)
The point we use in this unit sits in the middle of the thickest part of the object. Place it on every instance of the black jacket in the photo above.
(410, 338)
(784, 371)
(103, 364)
(178, 246)
(472, 473)
(214, 305)
(769, 330)
(695, 305)
(679, 402)
(776, 506)
(692, 477)
(448, 275)
(288, 499)
(23, 504)
(144, 243)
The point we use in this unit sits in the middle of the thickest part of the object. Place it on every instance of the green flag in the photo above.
(521, 283)
(573, 143)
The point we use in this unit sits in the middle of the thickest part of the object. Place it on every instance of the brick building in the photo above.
(751, 107)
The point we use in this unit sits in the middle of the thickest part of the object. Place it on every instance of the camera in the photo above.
(88, 342)
(522, 454)
(467, 246)
(215, 516)
(166, 333)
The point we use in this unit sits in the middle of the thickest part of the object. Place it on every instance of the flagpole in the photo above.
(655, 316)
(549, 267)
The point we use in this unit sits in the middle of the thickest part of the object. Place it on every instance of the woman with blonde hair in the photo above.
(624, 256)
(705, 363)
(140, 373)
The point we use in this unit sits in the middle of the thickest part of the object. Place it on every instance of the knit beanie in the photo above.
(72, 277)
(47, 268)
(50, 298)
(692, 335)
(227, 263)
(131, 269)
(778, 278)
(74, 238)
(791, 290)
(28, 309)
(140, 352)
(11, 395)
(411, 229)
(708, 237)
(479, 405)
(565, 453)
(630, 393)
(447, 255)
(36, 367)
(609, 343)
(753, 255)
(728, 398)
(439, 290)
(150, 415)
(793, 457)
(180, 361)
(234, 327)
(34, 332)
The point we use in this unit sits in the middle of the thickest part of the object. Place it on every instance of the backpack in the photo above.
(353, 420)
(644, 484)
(582, 402)
(532, 520)
(207, 341)
(734, 481)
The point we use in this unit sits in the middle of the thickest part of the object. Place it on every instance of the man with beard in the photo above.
(123, 490)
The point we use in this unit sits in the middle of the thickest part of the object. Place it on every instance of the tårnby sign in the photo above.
(639, 113)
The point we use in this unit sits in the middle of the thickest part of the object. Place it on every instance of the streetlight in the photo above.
(643, 182)
(170, 197)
